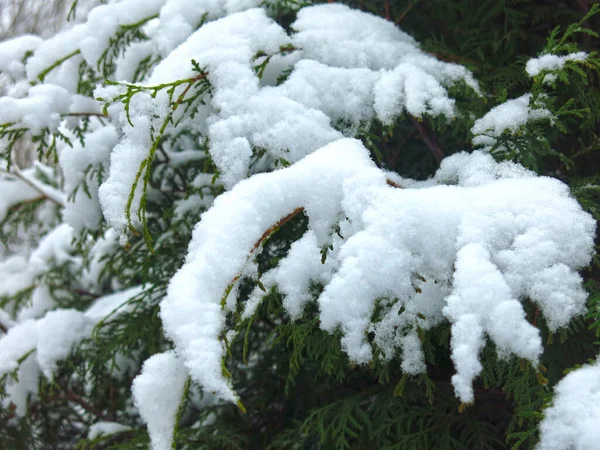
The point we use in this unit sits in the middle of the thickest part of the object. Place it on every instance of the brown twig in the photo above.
(405, 12)
(430, 142)
(394, 184)
(86, 114)
(198, 77)
(73, 397)
(274, 228)
(270, 231)
(386, 5)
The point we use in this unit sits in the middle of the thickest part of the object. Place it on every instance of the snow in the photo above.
(465, 247)
(571, 422)
(112, 304)
(125, 160)
(509, 116)
(27, 384)
(82, 210)
(105, 428)
(14, 191)
(40, 109)
(550, 62)
(104, 21)
(157, 392)
(296, 118)
(12, 52)
(54, 49)
(19, 340)
(58, 332)
(50, 339)
(484, 255)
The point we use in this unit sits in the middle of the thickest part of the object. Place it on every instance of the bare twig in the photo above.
(430, 142)
(73, 397)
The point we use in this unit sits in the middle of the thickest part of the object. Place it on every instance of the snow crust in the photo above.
(478, 258)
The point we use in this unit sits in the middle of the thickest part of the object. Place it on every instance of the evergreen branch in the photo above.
(50, 68)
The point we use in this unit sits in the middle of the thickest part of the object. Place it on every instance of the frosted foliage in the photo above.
(104, 428)
(35, 345)
(551, 62)
(157, 391)
(508, 116)
(19, 340)
(57, 333)
(14, 191)
(81, 166)
(12, 52)
(571, 422)
(428, 253)
(41, 108)
(125, 160)
(27, 384)
(104, 21)
(321, 101)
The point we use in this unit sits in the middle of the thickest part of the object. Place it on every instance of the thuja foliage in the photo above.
(134, 139)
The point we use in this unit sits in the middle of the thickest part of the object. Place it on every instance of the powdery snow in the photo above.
(157, 392)
(478, 258)
(509, 116)
(320, 102)
(571, 422)
(550, 62)
(105, 428)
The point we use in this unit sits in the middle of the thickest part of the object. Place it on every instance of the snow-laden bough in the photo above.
(466, 246)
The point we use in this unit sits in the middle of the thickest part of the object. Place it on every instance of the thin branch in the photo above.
(73, 397)
(406, 11)
(86, 114)
(394, 184)
(47, 192)
(430, 142)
